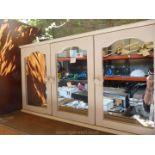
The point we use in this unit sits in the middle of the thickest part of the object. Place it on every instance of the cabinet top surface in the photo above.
(97, 32)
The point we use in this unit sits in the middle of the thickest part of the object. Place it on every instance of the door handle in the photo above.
(47, 79)
(53, 79)
(50, 79)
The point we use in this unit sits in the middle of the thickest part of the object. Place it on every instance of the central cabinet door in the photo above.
(73, 73)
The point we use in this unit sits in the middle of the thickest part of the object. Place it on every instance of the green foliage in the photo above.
(76, 26)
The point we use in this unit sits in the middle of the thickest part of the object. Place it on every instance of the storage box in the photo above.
(64, 54)
(119, 98)
(75, 53)
(83, 96)
(66, 92)
(107, 104)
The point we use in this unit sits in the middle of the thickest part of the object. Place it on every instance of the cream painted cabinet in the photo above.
(94, 79)
(122, 61)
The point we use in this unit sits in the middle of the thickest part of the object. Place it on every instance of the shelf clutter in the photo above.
(126, 70)
(72, 84)
(126, 64)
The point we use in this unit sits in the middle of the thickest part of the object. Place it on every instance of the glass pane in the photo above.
(35, 75)
(72, 81)
(126, 67)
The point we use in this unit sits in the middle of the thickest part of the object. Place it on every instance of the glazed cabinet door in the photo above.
(73, 73)
(36, 78)
(123, 61)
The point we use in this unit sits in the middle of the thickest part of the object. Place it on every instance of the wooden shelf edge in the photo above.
(125, 57)
(124, 78)
(72, 80)
(68, 59)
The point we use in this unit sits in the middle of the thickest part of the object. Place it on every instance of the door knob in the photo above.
(47, 79)
(53, 79)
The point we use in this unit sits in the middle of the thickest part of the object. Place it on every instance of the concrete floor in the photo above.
(19, 123)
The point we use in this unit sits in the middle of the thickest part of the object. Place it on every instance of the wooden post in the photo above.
(12, 35)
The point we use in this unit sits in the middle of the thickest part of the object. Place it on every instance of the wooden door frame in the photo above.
(144, 33)
(45, 49)
(85, 43)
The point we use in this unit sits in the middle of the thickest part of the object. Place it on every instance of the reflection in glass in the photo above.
(72, 81)
(35, 75)
(127, 64)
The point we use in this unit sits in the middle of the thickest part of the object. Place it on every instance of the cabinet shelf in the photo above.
(68, 59)
(73, 80)
(116, 57)
(126, 57)
(124, 78)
